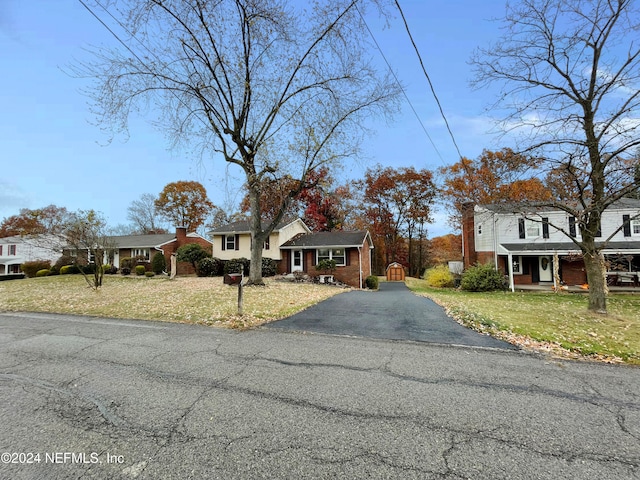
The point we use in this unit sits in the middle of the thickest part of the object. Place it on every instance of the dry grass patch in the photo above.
(184, 299)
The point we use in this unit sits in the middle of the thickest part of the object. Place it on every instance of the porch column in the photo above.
(510, 260)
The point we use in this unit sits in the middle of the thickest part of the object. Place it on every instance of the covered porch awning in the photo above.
(561, 249)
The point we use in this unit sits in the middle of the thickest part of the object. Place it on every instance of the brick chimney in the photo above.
(181, 236)
(468, 235)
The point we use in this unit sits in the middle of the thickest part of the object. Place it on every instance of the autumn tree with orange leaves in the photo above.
(397, 206)
(50, 219)
(494, 177)
(184, 204)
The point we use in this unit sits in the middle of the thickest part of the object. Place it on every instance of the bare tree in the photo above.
(143, 214)
(570, 71)
(274, 87)
(86, 236)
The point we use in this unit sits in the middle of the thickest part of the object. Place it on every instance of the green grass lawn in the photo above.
(559, 323)
(184, 299)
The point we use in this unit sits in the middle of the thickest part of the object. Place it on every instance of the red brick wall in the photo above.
(184, 268)
(573, 273)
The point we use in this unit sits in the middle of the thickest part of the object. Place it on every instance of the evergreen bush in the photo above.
(43, 273)
(208, 267)
(237, 265)
(140, 270)
(482, 278)
(269, 267)
(371, 282)
(158, 263)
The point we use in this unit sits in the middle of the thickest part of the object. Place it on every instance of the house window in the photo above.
(516, 266)
(12, 249)
(337, 254)
(140, 252)
(14, 268)
(635, 227)
(532, 228)
(480, 229)
(230, 242)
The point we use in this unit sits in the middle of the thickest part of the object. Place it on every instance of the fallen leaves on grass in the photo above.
(185, 299)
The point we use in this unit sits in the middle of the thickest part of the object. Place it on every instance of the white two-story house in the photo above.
(16, 250)
(523, 246)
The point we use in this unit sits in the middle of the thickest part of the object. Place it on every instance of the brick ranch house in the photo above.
(523, 247)
(145, 246)
(296, 249)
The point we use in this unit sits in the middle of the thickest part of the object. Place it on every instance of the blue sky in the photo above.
(53, 154)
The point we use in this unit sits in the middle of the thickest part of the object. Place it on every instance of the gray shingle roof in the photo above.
(142, 241)
(327, 239)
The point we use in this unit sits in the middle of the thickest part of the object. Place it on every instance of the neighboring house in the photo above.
(17, 250)
(146, 246)
(524, 247)
(234, 240)
(297, 249)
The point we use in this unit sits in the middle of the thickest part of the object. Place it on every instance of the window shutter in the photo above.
(572, 226)
(347, 256)
(545, 227)
(521, 228)
(224, 242)
(626, 221)
(237, 241)
(314, 257)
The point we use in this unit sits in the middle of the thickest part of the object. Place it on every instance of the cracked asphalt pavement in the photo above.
(117, 399)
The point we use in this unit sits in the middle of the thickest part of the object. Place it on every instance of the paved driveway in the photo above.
(392, 313)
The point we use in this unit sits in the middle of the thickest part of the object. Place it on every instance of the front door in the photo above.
(546, 269)
(296, 260)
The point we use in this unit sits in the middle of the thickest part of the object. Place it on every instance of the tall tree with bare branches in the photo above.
(274, 87)
(570, 77)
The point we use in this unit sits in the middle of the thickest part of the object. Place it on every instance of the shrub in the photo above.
(148, 274)
(109, 269)
(237, 265)
(269, 267)
(192, 253)
(127, 262)
(326, 265)
(69, 269)
(482, 278)
(61, 262)
(43, 273)
(125, 270)
(439, 277)
(140, 270)
(158, 263)
(371, 282)
(208, 267)
(31, 269)
(89, 269)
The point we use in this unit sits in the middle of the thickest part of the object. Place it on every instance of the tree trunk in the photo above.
(257, 238)
(596, 277)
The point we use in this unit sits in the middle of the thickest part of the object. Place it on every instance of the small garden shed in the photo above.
(395, 272)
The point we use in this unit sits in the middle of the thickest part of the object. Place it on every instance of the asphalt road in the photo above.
(112, 399)
(391, 313)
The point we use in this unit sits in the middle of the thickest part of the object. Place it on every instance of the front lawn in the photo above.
(557, 323)
(184, 299)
